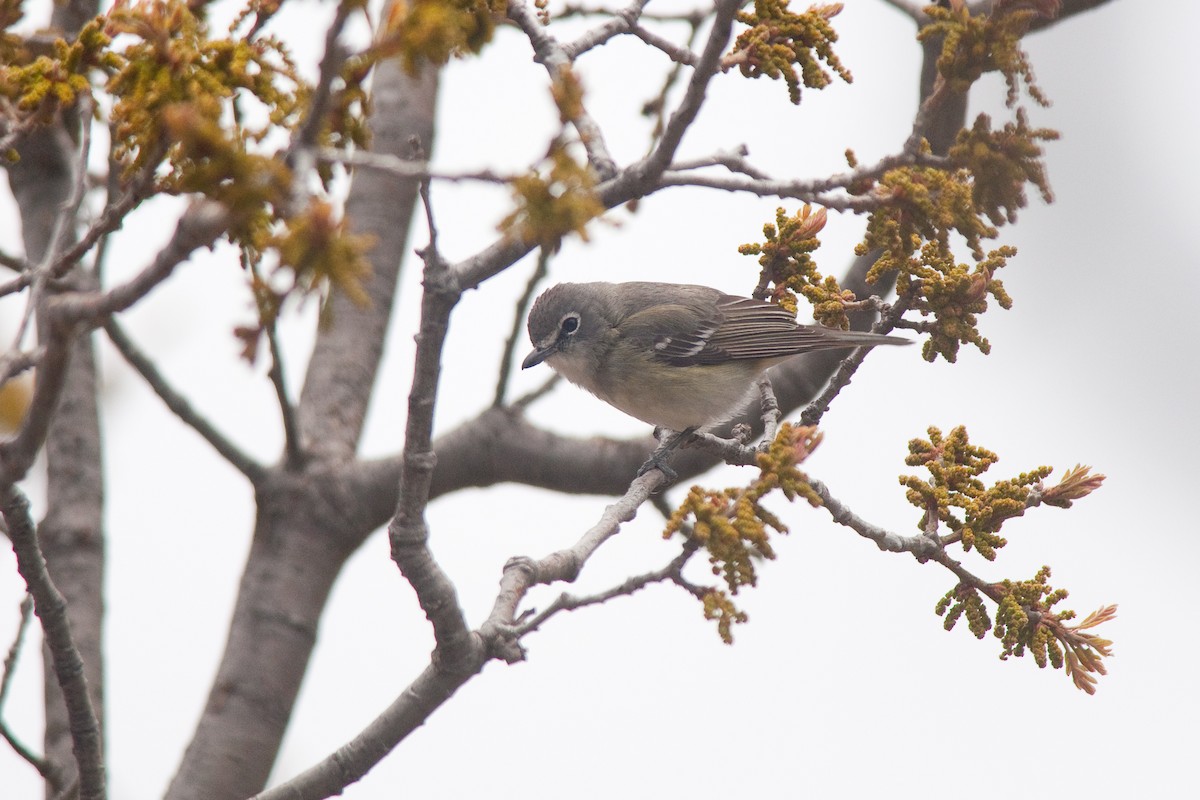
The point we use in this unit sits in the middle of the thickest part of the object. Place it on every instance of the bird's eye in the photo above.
(569, 324)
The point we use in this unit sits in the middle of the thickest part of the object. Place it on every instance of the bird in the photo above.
(676, 356)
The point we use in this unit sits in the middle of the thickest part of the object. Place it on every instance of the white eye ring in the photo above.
(569, 324)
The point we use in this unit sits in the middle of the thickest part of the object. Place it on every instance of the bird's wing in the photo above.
(731, 329)
(745, 328)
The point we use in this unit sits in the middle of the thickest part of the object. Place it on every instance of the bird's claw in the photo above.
(659, 462)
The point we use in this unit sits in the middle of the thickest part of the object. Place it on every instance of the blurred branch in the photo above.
(39, 763)
(345, 360)
(13, 364)
(111, 219)
(407, 168)
(331, 66)
(514, 335)
(179, 405)
(293, 446)
(200, 226)
(621, 21)
(68, 666)
(17, 284)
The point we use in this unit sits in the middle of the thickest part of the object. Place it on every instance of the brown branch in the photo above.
(521, 574)
(331, 65)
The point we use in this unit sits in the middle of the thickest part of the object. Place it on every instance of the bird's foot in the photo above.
(658, 459)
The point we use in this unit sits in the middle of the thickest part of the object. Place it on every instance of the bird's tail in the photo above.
(832, 337)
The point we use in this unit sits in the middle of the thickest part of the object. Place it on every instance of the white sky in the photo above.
(843, 684)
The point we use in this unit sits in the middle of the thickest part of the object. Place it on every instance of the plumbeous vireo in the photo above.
(673, 355)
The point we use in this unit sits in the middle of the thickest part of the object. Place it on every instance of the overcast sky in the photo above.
(843, 684)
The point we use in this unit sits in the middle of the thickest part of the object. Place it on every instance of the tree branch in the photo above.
(514, 335)
(180, 406)
(693, 98)
(849, 365)
(408, 531)
(200, 226)
(435, 685)
(68, 666)
(554, 57)
(671, 571)
(44, 768)
(294, 454)
(345, 360)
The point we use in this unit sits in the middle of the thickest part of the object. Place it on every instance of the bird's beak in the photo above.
(538, 356)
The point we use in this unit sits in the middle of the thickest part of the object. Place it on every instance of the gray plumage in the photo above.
(674, 355)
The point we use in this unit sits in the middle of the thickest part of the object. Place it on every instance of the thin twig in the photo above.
(769, 406)
(658, 105)
(554, 57)
(407, 168)
(671, 571)
(300, 152)
(10, 665)
(13, 364)
(622, 21)
(200, 226)
(293, 447)
(17, 284)
(678, 54)
(179, 405)
(521, 574)
(695, 17)
(920, 546)
(733, 160)
(519, 313)
(689, 107)
(331, 66)
(841, 378)
(529, 398)
(111, 219)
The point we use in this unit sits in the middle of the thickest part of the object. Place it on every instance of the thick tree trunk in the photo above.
(307, 525)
